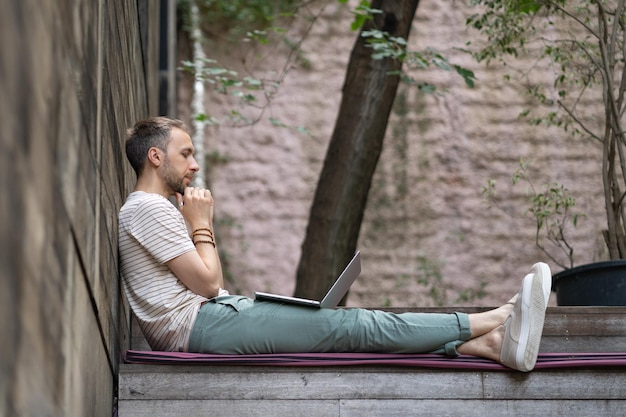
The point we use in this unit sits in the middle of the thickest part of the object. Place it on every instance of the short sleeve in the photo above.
(160, 228)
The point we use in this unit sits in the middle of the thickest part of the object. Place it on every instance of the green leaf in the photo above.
(303, 130)
(277, 122)
(253, 82)
(467, 75)
(427, 88)
(362, 13)
(527, 6)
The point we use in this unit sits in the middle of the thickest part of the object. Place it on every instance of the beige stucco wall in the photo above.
(426, 219)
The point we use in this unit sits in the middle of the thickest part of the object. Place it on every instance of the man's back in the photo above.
(151, 232)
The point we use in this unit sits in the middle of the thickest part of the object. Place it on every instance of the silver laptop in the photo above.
(332, 297)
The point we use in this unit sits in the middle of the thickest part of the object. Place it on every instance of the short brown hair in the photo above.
(148, 133)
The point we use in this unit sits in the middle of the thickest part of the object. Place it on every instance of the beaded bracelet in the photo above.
(212, 242)
(199, 230)
(203, 234)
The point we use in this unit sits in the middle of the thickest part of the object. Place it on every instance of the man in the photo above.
(173, 280)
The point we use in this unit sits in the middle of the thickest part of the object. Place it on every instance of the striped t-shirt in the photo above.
(152, 232)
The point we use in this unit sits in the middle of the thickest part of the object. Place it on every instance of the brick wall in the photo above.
(74, 74)
(426, 226)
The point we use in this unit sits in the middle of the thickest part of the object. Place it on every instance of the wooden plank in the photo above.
(580, 384)
(585, 321)
(143, 382)
(220, 408)
(296, 383)
(137, 341)
(89, 379)
(377, 407)
(469, 408)
(582, 344)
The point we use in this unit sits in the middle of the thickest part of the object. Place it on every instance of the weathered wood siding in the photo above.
(74, 74)
(172, 391)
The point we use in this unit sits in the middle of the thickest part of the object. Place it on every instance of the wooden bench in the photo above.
(175, 390)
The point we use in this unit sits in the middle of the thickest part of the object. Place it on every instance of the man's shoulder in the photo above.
(139, 201)
(139, 198)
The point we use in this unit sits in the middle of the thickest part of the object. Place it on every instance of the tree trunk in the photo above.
(354, 149)
(197, 102)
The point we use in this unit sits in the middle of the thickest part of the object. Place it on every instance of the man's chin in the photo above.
(180, 189)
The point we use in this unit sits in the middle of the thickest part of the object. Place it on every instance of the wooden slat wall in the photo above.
(377, 407)
(158, 391)
(74, 76)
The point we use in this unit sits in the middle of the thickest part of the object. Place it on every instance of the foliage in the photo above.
(429, 276)
(238, 17)
(228, 82)
(263, 26)
(553, 211)
(256, 23)
(582, 43)
(384, 46)
(261, 22)
(533, 27)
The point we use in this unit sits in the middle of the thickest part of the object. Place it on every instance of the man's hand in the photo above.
(200, 270)
(197, 207)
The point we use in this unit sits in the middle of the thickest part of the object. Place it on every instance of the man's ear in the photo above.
(155, 156)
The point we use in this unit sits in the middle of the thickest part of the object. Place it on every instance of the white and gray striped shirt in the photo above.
(152, 232)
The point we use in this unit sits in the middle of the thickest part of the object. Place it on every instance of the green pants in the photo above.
(240, 325)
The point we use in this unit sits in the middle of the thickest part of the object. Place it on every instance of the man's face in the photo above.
(179, 165)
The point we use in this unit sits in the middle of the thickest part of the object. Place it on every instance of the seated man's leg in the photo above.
(239, 325)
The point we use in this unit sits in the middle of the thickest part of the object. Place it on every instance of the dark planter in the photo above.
(595, 284)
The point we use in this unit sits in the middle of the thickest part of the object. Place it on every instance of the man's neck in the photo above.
(152, 187)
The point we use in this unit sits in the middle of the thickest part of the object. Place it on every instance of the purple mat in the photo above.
(545, 360)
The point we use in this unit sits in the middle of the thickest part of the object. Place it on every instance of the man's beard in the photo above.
(172, 180)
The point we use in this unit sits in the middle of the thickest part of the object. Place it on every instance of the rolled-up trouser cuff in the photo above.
(465, 333)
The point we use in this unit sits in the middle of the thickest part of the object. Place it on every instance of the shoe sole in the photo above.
(534, 303)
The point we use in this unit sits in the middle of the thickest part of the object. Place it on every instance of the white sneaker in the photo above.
(524, 326)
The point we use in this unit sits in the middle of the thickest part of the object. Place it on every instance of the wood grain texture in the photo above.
(75, 75)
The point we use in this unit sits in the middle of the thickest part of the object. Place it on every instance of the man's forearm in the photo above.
(210, 256)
